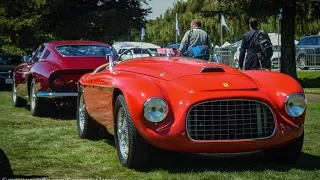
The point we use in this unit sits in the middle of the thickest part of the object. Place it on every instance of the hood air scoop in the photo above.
(211, 69)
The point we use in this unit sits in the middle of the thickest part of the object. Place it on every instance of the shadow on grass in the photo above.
(59, 114)
(6, 170)
(6, 89)
(253, 161)
(175, 162)
(310, 82)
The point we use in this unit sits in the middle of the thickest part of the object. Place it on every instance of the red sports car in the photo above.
(188, 105)
(50, 77)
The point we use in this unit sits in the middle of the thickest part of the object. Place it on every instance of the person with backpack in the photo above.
(196, 42)
(256, 48)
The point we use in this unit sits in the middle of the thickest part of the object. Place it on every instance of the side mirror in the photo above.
(26, 58)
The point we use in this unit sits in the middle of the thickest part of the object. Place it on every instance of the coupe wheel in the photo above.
(87, 129)
(37, 106)
(288, 154)
(302, 62)
(133, 151)
(16, 100)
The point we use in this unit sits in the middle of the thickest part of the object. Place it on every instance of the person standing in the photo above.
(196, 42)
(249, 58)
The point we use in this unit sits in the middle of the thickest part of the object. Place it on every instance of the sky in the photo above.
(159, 7)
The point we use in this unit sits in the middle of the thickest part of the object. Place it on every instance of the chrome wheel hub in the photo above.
(122, 133)
(81, 113)
(33, 97)
(14, 95)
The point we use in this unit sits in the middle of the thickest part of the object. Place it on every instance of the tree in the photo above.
(25, 24)
(18, 21)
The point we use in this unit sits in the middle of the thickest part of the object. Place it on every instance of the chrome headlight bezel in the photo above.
(155, 109)
(295, 105)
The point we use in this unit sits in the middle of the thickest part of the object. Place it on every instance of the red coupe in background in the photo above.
(50, 76)
(194, 106)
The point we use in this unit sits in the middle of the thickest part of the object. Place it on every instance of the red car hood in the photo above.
(194, 75)
(81, 62)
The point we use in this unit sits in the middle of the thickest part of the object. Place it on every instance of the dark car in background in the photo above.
(308, 52)
(7, 64)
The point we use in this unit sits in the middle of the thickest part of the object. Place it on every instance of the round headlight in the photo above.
(295, 105)
(155, 109)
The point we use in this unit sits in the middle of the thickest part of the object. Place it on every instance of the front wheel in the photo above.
(133, 151)
(288, 154)
(87, 129)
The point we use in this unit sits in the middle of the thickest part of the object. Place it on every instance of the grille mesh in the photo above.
(230, 120)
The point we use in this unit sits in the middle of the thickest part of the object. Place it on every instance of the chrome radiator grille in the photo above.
(230, 120)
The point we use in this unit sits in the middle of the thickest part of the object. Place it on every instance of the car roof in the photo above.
(75, 42)
(310, 36)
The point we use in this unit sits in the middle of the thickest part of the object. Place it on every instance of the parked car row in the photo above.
(166, 103)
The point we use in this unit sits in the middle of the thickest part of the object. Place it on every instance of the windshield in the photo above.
(86, 50)
(140, 51)
(153, 50)
(121, 51)
(10, 59)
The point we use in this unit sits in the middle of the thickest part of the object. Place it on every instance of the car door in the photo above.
(22, 72)
(99, 97)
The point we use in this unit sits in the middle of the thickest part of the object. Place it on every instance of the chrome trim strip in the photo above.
(56, 94)
(214, 100)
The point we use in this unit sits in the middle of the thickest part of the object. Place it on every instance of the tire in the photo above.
(133, 151)
(16, 100)
(35, 108)
(38, 106)
(288, 154)
(87, 129)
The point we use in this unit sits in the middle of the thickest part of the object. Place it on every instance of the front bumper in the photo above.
(182, 143)
(56, 94)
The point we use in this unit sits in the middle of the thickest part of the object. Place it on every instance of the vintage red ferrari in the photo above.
(193, 106)
(49, 78)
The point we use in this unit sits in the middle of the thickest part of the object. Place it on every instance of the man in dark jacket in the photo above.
(248, 46)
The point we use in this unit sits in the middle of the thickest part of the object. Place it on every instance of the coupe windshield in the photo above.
(85, 50)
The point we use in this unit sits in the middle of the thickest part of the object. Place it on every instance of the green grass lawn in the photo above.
(51, 148)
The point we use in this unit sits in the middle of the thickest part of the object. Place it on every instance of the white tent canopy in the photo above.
(274, 39)
(225, 44)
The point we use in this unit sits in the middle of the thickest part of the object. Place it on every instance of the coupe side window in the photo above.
(38, 53)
